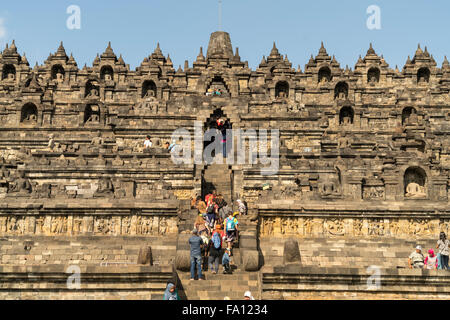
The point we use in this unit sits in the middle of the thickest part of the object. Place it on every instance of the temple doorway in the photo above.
(218, 87)
(218, 121)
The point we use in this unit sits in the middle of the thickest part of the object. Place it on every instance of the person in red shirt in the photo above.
(210, 197)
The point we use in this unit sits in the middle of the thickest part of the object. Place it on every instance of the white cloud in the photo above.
(2, 28)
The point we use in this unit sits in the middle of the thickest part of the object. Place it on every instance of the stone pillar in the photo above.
(354, 188)
(145, 256)
(183, 257)
(438, 188)
(392, 188)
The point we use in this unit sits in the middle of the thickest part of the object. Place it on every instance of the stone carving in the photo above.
(420, 227)
(335, 227)
(93, 93)
(4, 173)
(50, 225)
(376, 227)
(80, 161)
(51, 142)
(343, 141)
(105, 188)
(354, 227)
(358, 227)
(151, 103)
(444, 225)
(58, 225)
(267, 224)
(43, 191)
(21, 185)
(373, 188)
(98, 140)
(414, 190)
(296, 107)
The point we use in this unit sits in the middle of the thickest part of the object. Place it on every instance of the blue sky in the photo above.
(135, 26)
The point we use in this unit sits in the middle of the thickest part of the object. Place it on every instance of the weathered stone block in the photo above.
(145, 256)
(250, 260)
(291, 252)
(183, 260)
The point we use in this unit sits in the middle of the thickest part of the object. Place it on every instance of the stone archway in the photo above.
(218, 84)
(214, 176)
(29, 114)
(324, 75)
(282, 89)
(346, 116)
(107, 73)
(213, 123)
(373, 75)
(415, 183)
(8, 72)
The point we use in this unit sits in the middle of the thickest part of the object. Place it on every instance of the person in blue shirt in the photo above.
(196, 244)
(231, 228)
(226, 261)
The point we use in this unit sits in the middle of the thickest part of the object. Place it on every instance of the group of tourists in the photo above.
(216, 224)
(214, 92)
(171, 147)
(432, 261)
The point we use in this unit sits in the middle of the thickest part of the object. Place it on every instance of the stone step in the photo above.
(84, 252)
(323, 252)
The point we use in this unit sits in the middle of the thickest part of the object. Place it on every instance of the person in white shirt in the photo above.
(147, 143)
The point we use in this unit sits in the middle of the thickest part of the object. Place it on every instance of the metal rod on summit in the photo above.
(220, 15)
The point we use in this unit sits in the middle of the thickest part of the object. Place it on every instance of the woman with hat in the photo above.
(248, 296)
(416, 259)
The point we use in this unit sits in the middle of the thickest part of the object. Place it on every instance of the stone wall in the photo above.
(293, 283)
(96, 283)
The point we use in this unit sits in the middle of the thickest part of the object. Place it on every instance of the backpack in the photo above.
(216, 240)
(231, 223)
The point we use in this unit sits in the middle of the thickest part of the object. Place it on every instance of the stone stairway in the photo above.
(217, 286)
(229, 111)
(218, 176)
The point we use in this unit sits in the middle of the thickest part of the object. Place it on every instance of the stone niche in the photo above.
(415, 183)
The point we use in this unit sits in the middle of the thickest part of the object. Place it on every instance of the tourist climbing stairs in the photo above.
(218, 286)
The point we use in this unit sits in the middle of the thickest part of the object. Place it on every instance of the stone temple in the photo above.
(364, 164)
